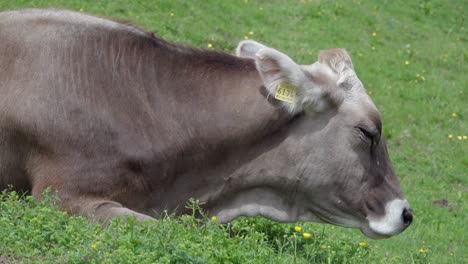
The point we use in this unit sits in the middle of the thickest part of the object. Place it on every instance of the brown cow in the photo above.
(122, 123)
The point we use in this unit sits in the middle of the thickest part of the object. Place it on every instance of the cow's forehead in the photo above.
(361, 111)
(355, 97)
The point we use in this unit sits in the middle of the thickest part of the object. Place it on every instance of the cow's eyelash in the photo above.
(366, 133)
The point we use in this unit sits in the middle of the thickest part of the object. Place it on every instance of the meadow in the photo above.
(412, 57)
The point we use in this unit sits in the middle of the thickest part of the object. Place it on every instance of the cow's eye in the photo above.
(367, 135)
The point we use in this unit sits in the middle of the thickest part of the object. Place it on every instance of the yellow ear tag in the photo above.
(286, 92)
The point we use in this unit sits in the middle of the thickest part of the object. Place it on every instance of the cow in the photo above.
(118, 122)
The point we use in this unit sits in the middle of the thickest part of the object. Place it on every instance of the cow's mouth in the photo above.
(368, 232)
(398, 216)
(337, 220)
(365, 229)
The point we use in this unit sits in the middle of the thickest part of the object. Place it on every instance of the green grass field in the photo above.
(412, 57)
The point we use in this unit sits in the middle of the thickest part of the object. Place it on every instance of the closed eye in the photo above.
(367, 135)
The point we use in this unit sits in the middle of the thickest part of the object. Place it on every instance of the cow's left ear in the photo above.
(283, 79)
(248, 48)
(286, 81)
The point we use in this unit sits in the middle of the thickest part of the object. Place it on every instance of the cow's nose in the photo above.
(407, 216)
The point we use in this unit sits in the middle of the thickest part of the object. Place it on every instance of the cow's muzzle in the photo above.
(398, 216)
(407, 216)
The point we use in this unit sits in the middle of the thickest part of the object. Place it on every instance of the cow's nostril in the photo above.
(407, 216)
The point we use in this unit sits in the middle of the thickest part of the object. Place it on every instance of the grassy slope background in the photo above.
(411, 56)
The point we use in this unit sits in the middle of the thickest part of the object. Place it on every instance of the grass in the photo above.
(412, 57)
(44, 234)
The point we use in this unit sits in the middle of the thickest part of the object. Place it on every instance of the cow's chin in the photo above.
(371, 233)
(347, 222)
(368, 232)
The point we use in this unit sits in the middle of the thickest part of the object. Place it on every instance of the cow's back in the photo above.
(104, 111)
(72, 91)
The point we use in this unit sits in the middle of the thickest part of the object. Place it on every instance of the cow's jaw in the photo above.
(253, 202)
(270, 204)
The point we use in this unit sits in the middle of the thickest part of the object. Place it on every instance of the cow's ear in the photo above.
(336, 59)
(339, 61)
(282, 78)
(248, 48)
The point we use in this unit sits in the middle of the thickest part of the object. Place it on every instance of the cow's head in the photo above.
(342, 173)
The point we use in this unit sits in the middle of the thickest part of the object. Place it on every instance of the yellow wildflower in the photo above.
(465, 137)
(93, 246)
(172, 14)
(210, 45)
(450, 136)
(81, 9)
(421, 250)
(245, 37)
(454, 114)
(297, 228)
(407, 62)
(459, 137)
(213, 218)
(251, 33)
(374, 34)
(306, 235)
(323, 246)
(362, 244)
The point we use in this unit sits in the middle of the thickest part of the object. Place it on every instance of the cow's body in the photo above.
(122, 123)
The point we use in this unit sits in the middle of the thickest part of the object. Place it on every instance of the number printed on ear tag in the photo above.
(286, 92)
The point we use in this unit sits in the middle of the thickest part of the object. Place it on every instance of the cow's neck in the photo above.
(224, 115)
(244, 183)
(220, 97)
(216, 105)
(256, 184)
